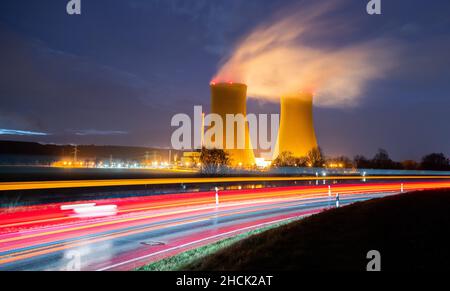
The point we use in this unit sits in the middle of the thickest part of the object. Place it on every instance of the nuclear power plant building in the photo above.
(296, 133)
(231, 98)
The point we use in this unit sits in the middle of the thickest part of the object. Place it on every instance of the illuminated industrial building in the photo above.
(296, 133)
(230, 98)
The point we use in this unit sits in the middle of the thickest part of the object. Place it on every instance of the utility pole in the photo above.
(75, 153)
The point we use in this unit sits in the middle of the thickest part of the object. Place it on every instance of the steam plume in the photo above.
(281, 58)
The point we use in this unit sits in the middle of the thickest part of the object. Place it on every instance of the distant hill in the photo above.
(18, 152)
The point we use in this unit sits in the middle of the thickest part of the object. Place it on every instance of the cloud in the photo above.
(220, 20)
(20, 132)
(280, 57)
(85, 132)
(43, 89)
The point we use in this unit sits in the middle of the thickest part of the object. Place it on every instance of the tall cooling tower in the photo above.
(296, 133)
(230, 98)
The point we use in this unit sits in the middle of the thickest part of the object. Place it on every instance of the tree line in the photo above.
(381, 160)
(217, 161)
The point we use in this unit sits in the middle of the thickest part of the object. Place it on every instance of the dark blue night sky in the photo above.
(117, 73)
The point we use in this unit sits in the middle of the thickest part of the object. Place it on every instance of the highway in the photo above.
(36, 185)
(122, 234)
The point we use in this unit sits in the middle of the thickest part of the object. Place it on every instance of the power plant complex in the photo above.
(296, 132)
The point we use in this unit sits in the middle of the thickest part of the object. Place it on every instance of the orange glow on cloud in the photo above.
(276, 59)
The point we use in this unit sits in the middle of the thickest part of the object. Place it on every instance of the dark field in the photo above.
(410, 231)
(29, 173)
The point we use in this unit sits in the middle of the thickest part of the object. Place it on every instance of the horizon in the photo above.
(351, 157)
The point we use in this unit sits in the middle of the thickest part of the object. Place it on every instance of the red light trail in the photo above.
(38, 231)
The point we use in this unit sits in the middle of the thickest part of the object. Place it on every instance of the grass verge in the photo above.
(184, 259)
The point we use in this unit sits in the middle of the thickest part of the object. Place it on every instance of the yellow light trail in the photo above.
(11, 186)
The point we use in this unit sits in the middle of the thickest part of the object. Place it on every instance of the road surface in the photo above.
(122, 234)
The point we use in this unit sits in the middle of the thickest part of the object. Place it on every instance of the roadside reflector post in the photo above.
(401, 188)
(217, 196)
(329, 190)
(337, 200)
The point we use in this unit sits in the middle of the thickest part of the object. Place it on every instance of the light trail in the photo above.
(46, 247)
(13, 186)
(38, 232)
(165, 202)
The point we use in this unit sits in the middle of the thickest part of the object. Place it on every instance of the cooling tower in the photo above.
(296, 132)
(230, 98)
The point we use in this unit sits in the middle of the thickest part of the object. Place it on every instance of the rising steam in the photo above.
(281, 58)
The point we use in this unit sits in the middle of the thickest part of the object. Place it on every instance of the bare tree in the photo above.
(214, 161)
(316, 158)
